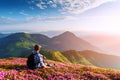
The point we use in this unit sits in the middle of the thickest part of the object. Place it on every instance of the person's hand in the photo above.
(44, 57)
(45, 66)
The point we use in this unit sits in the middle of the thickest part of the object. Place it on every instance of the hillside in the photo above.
(15, 69)
(55, 55)
(86, 57)
(69, 41)
(75, 57)
(101, 60)
(16, 45)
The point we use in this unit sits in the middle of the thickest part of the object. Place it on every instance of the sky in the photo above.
(57, 15)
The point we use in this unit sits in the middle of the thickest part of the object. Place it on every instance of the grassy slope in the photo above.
(14, 69)
(101, 60)
(75, 57)
(54, 55)
(70, 56)
(15, 44)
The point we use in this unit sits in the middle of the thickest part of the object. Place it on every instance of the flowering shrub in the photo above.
(15, 69)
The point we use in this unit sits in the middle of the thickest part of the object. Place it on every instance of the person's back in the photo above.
(30, 62)
(37, 59)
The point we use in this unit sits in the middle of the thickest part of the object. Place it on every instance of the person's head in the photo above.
(37, 48)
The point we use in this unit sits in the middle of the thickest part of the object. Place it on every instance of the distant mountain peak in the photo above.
(66, 34)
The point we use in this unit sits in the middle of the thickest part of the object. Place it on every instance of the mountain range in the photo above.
(19, 43)
(66, 47)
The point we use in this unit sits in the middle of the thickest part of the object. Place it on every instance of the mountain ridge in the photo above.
(67, 38)
(62, 42)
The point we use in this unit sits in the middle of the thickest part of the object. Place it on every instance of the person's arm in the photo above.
(41, 61)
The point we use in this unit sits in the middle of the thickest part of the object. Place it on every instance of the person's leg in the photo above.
(49, 64)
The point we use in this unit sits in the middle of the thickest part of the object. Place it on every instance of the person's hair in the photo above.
(37, 47)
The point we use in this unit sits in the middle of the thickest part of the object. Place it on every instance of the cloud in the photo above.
(23, 13)
(35, 19)
(79, 6)
(6, 20)
(49, 19)
(52, 4)
(41, 5)
(70, 6)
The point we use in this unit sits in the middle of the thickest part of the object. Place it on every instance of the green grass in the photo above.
(54, 55)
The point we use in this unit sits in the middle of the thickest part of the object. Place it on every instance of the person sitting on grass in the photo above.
(35, 60)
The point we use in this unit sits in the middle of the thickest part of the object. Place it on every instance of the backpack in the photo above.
(30, 62)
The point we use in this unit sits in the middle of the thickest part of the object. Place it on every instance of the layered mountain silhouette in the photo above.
(101, 59)
(20, 42)
(69, 41)
(65, 47)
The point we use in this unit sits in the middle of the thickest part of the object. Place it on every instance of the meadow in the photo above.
(16, 69)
